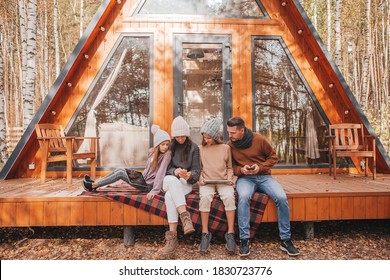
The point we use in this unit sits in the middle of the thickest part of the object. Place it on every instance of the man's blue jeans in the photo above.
(245, 188)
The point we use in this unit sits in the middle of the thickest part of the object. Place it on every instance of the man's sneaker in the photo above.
(289, 248)
(244, 247)
(205, 242)
(88, 179)
(231, 245)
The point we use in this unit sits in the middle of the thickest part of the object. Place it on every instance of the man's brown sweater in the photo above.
(260, 153)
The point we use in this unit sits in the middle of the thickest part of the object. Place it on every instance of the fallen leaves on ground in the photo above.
(333, 240)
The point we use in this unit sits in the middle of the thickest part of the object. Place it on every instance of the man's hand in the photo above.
(250, 169)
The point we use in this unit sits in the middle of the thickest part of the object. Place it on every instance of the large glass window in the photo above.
(208, 8)
(117, 107)
(284, 110)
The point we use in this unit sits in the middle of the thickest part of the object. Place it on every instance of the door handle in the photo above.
(229, 82)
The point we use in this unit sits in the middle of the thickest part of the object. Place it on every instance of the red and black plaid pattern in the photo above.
(217, 221)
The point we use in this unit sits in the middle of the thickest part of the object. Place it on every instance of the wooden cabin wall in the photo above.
(282, 22)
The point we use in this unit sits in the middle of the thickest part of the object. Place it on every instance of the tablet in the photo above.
(227, 182)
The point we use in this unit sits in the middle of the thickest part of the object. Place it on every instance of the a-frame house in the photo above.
(142, 61)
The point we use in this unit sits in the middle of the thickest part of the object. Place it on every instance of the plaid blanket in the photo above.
(217, 220)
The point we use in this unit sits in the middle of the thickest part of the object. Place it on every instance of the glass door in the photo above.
(202, 79)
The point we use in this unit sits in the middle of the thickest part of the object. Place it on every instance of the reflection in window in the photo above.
(117, 108)
(202, 85)
(284, 110)
(209, 8)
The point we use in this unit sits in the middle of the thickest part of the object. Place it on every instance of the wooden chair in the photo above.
(348, 140)
(55, 147)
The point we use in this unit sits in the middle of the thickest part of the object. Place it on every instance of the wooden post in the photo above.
(308, 230)
(128, 236)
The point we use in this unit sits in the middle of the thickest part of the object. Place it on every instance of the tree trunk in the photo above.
(23, 40)
(3, 126)
(366, 61)
(337, 45)
(56, 39)
(386, 71)
(81, 17)
(46, 54)
(314, 10)
(28, 96)
(329, 25)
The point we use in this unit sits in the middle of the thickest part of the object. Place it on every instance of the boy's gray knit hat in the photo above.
(159, 135)
(212, 128)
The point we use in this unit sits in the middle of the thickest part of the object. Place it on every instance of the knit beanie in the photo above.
(159, 135)
(212, 128)
(180, 127)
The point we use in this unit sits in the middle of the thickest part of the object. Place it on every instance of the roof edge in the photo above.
(54, 89)
(344, 84)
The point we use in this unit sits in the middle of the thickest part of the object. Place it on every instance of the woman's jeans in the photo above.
(245, 188)
(175, 191)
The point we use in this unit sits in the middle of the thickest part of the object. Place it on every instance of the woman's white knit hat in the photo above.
(212, 128)
(180, 127)
(159, 135)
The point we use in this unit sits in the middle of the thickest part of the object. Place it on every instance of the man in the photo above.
(253, 157)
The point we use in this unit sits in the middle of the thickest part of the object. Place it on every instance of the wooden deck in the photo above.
(27, 202)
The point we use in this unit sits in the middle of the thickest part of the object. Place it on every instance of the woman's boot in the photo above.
(186, 222)
(170, 243)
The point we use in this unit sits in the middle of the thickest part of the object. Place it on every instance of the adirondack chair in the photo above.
(348, 140)
(56, 147)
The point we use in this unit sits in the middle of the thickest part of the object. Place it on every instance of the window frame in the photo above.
(186, 16)
(300, 75)
(99, 74)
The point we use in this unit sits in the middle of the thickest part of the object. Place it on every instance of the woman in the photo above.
(157, 163)
(183, 172)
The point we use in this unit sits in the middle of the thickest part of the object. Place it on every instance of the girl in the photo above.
(216, 175)
(159, 158)
(182, 173)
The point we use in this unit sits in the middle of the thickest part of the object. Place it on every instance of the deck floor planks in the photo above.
(27, 202)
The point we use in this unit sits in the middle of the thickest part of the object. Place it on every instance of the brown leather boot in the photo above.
(170, 244)
(186, 222)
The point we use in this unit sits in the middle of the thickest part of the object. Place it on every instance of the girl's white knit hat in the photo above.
(180, 127)
(159, 135)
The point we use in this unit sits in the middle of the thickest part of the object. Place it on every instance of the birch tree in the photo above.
(56, 39)
(23, 44)
(3, 145)
(29, 93)
(314, 10)
(337, 32)
(367, 58)
(81, 17)
(329, 25)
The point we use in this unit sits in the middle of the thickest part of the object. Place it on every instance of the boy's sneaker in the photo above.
(205, 242)
(289, 248)
(230, 242)
(244, 247)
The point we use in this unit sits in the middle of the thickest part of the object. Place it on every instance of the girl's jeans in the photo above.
(245, 188)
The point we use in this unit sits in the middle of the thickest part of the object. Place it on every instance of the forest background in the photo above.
(37, 37)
